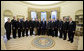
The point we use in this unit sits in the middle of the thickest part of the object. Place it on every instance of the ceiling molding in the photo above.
(42, 5)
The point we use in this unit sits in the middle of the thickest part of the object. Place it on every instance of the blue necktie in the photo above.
(43, 22)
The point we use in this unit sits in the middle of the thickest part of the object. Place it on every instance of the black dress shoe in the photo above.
(52, 36)
(55, 36)
(14, 38)
(8, 39)
(60, 37)
(71, 41)
(68, 40)
(48, 35)
(35, 34)
(64, 39)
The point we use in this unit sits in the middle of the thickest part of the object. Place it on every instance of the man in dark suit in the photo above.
(39, 27)
(49, 28)
(56, 23)
(14, 27)
(36, 26)
(8, 29)
(27, 26)
(60, 28)
(71, 29)
(19, 27)
(23, 27)
(31, 27)
(52, 27)
(65, 26)
(43, 23)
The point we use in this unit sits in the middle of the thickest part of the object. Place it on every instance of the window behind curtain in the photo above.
(43, 16)
(33, 15)
(54, 15)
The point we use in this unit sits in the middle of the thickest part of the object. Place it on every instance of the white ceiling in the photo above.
(42, 2)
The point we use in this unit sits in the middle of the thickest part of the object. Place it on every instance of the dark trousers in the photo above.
(14, 33)
(26, 32)
(52, 32)
(60, 33)
(23, 32)
(31, 31)
(43, 31)
(65, 35)
(8, 34)
(56, 32)
(39, 31)
(19, 33)
(48, 32)
(70, 35)
(36, 31)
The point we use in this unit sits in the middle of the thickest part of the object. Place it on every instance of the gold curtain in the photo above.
(39, 15)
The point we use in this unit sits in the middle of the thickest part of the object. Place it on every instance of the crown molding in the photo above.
(42, 5)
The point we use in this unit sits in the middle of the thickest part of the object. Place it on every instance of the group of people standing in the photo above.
(50, 28)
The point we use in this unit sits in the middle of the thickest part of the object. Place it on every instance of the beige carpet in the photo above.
(24, 43)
